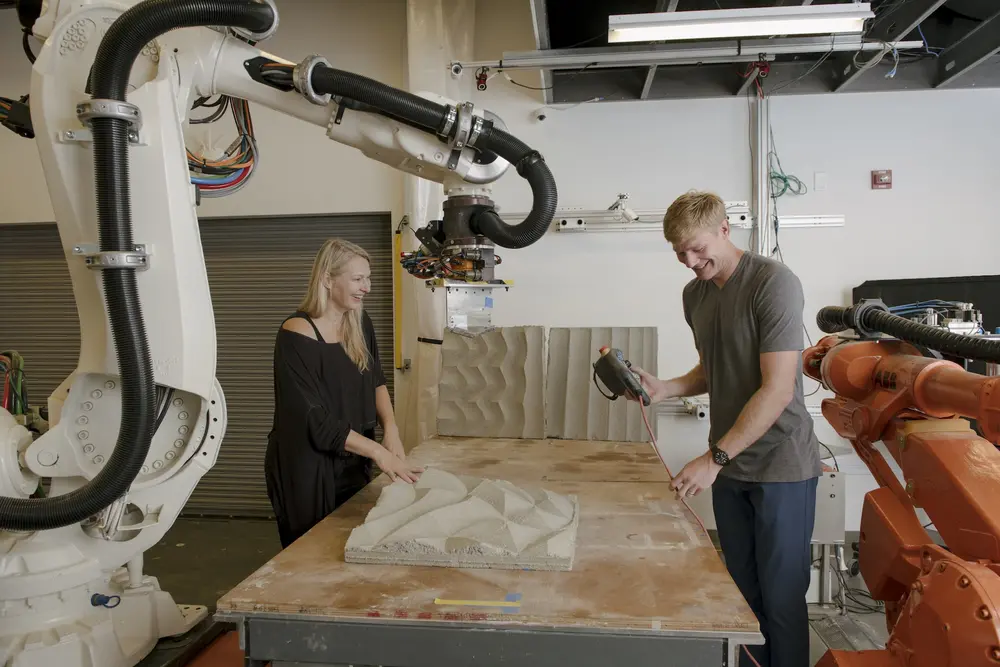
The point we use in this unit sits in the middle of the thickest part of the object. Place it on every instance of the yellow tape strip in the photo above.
(477, 603)
(397, 302)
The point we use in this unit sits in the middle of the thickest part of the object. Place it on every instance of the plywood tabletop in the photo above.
(642, 562)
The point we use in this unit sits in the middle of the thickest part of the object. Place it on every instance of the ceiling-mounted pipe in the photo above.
(732, 51)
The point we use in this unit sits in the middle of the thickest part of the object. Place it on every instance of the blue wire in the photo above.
(218, 181)
(926, 45)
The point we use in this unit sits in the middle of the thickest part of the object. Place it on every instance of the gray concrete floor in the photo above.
(200, 560)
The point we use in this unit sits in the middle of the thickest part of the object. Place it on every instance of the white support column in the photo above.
(763, 231)
(438, 33)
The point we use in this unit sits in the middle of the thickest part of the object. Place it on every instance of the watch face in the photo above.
(720, 457)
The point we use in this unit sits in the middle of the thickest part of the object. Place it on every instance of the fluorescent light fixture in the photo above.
(728, 23)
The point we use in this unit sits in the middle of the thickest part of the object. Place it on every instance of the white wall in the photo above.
(301, 171)
(940, 145)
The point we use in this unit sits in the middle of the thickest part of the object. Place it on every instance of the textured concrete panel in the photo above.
(460, 521)
(493, 384)
(574, 407)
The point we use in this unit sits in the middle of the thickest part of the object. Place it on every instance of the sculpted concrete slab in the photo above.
(461, 521)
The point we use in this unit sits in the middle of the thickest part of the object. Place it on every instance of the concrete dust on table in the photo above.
(470, 522)
(492, 384)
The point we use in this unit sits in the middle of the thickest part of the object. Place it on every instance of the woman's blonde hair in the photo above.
(331, 261)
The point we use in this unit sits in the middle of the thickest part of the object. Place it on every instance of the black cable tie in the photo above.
(432, 341)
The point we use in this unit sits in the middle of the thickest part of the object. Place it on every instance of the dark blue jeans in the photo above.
(765, 532)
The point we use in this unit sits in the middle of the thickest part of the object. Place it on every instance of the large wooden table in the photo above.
(647, 587)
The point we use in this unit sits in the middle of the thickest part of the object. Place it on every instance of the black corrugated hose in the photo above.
(118, 50)
(871, 316)
(430, 116)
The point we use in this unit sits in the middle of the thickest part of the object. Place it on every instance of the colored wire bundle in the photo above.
(456, 267)
(5, 105)
(421, 265)
(231, 172)
(14, 398)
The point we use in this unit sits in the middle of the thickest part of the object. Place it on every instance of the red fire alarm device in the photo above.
(882, 179)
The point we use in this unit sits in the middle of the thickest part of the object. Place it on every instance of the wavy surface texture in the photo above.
(492, 384)
(462, 521)
(574, 407)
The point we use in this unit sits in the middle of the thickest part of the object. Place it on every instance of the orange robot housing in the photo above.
(942, 604)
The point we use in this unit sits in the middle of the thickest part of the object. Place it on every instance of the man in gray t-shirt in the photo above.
(745, 312)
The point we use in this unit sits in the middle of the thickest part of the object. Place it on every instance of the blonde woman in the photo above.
(329, 393)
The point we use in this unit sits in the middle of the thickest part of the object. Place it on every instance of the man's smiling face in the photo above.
(701, 252)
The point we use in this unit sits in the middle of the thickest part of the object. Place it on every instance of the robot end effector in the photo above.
(475, 151)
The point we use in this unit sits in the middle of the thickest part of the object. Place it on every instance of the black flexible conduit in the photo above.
(430, 116)
(870, 317)
(118, 50)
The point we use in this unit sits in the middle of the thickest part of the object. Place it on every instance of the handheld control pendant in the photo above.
(617, 375)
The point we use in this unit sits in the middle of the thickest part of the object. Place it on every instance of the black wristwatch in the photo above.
(719, 456)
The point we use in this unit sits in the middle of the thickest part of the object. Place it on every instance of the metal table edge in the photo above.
(738, 637)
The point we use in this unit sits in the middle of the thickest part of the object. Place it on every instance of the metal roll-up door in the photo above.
(258, 271)
(38, 316)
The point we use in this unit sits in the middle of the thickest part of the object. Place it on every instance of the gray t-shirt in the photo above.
(758, 310)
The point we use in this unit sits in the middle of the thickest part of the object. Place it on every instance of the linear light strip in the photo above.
(727, 23)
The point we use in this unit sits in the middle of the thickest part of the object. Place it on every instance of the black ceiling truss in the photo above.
(953, 44)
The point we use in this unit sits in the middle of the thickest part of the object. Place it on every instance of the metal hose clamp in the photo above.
(302, 79)
(477, 129)
(859, 317)
(449, 121)
(91, 109)
(94, 258)
(463, 128)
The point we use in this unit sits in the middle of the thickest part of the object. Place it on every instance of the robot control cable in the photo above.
(652, 439)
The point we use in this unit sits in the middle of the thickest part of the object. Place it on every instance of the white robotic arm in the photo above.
(141, 419)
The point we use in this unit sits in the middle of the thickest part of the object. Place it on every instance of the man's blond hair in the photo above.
(692, 212)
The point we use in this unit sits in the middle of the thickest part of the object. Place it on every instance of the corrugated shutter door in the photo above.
(38, 315)
(258, 269)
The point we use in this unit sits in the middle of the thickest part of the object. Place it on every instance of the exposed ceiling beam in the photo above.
(890, 25)
(981, 44)
(661, 6)
(540, 24)
(650, 75)
(783, 79)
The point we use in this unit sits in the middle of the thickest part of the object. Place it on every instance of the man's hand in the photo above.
(696, 476)
(655, 388)
(393, 442)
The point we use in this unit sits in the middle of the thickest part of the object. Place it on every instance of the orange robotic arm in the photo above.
(942, 604)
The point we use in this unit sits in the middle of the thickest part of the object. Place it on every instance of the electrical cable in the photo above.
(230, 173)
(656, 450)
(26, 45)
(830, 452)
(14, 395)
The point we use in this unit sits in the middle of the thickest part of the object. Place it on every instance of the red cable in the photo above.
(6, 391)
(652, 437)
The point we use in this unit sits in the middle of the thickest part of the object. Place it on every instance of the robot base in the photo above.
(119, 634)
